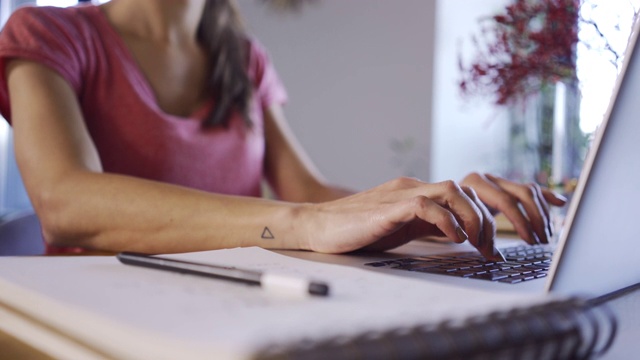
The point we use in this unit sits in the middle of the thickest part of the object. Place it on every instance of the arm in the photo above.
(79, 205)
(289, 171)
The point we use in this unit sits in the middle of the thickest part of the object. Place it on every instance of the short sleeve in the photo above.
(45, 35)
(268, 86)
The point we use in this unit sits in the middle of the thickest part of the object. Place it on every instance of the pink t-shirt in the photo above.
(132, 134)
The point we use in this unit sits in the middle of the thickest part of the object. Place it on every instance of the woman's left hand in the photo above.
(525, 205)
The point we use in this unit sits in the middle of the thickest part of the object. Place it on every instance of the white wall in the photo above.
(359, 76)
(467, 135)
(363, 76)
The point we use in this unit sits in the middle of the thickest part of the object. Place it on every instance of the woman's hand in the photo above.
(525, 205)
(397, 212)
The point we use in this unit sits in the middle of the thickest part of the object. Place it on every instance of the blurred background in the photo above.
(375, 86)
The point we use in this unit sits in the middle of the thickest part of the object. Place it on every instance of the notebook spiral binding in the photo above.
(567, 329)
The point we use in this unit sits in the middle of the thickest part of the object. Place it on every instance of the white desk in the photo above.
(627, 342)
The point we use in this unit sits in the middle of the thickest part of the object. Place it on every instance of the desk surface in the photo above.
(627, 310)
(626, 345)
(13, 348)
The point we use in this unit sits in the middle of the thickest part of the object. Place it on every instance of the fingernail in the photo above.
(538, 239)
(494, 255)
(531, 238)
(543, 238)
(560, 197)
(547, 234)
(462, 236)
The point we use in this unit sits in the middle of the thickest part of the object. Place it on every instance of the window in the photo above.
(13, 196)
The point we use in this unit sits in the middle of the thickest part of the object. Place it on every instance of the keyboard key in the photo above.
(532, 268)
(376, 264)
(512, 272)
(526, 277)
(512, 264)
(490, 276)
(465, 273)
(449, 269)
(405, 261)
(415, 266)
(493, 268)
(542, 266)
(434, 270)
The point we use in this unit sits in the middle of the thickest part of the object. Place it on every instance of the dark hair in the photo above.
(222, 34)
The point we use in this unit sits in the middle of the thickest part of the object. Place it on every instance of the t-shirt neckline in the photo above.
(103, 23)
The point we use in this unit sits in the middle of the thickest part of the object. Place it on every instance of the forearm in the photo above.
(117, 213)
(309, 190)
(324, 193)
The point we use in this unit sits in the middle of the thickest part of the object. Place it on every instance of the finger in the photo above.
(425, 209)
(545, 207)
(486, 246)
(554, 198)
(527, 195)
(497, 198)
(449, 195)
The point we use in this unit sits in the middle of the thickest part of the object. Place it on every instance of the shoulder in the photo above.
(52, 36)
(30, 16)
(269, 87)
(256, 48)
(259, 61)
(258, 53)
(46, 34)
(32, 23)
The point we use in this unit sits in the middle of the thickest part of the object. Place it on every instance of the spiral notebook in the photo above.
(96, 307)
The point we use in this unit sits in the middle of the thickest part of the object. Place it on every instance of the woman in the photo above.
(148, 125)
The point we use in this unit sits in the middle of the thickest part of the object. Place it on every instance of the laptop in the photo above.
(597, 251)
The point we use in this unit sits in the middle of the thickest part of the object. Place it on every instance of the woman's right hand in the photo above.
(397, 212)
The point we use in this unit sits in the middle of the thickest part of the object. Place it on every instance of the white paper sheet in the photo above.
(138, 309)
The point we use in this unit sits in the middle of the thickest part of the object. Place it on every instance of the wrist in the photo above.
(301, 224)
(285, 226)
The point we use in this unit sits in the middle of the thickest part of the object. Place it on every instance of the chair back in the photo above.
(21, 234)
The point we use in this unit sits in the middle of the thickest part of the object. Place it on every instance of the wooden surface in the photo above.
(15, 349)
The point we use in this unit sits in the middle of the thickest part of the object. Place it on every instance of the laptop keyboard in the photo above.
(523, 263)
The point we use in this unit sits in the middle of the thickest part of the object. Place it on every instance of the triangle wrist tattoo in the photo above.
(266, 234)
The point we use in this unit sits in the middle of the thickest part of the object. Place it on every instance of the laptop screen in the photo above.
(599, 249)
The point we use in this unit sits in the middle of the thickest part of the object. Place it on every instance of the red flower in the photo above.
(530, 44)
